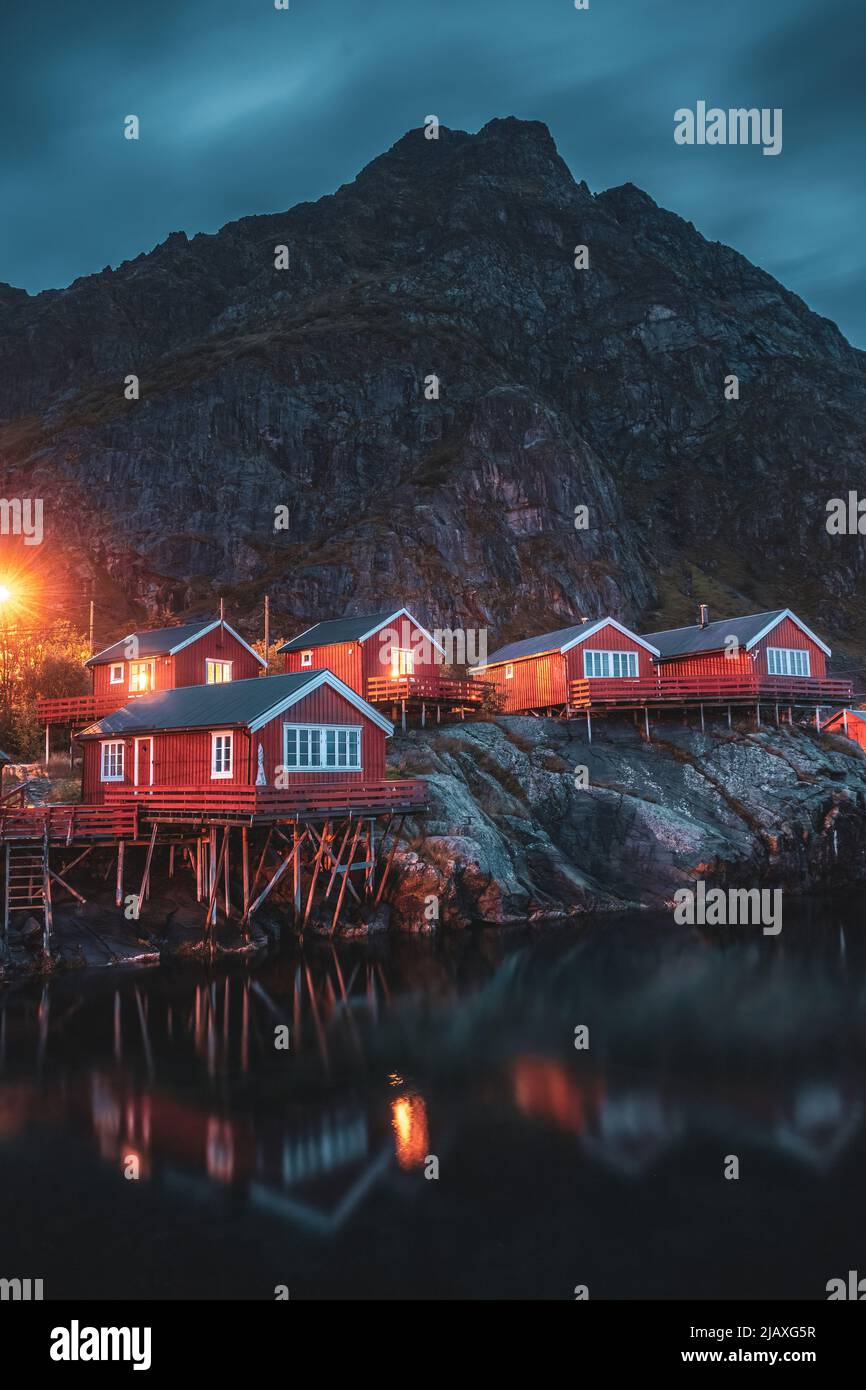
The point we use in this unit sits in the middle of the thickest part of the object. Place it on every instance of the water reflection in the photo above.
(461, 1049)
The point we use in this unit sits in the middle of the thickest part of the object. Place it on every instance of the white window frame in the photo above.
(112, 678)
(212, 661)
(104, 746)
(143, 661)
(601, 657)
(509, 671)
(306, 659)
(402, 657)
(783, 659)
(322, 733)
(226, 773)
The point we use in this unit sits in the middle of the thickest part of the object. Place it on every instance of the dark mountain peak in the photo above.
(626, 197)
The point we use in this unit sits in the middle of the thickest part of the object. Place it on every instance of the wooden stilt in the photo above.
(403, 715)
(703, 725)
(729, 716)
(758, 716)
(67, 886)
(171, 862)
(261, 863)
(588, 726)
(646, 721)
(845, 720)
(817, 719)
(335, 863)
(245, 866)
(777, 714)
(342, 892)
(46, 895)
(146, 876)
(296, 877)
(269, 887)
(198, 873)
(423, 715)
(215, 867)
(384, 879)
(47, 743)
(323, 843)
(226, 898)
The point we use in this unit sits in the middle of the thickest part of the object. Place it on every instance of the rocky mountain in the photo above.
(304, 388)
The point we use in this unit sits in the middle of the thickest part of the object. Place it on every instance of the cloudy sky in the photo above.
(246, 109)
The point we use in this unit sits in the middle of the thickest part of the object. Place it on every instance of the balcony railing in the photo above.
(67, 823)
(265, 804)
(435, 689)
(711, 689)
(78, 709)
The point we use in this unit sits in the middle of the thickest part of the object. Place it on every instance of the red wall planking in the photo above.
(356, 662)
(784, 634)
(187, 667)
(183, 758)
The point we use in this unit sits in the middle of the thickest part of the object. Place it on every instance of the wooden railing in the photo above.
(741, 687)
(451, 690)
(68, 822)
(269, 803)
(77, 709)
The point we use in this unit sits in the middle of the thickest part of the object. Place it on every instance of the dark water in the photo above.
(259, 1167)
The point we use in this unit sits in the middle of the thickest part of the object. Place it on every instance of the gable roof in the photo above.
(562, 640)
(336, 630)
(165, 641)
(235, 704)
(840, 715)
(748, 630)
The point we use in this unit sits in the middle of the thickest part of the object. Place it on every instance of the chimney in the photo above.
(705, 615)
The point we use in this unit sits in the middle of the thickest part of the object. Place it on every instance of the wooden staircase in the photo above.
(27, 884)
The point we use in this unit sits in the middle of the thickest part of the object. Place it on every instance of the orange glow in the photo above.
(546, 1088)
(5, 593)
(411, 1135)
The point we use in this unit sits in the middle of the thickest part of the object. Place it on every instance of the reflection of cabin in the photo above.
(277, 731)
(387, 657)
(850, 722)
(202, 653)
(593, 660)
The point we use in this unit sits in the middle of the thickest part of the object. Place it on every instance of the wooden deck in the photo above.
(431, 690)
(78, 709)
(269, 805)
(708, 690)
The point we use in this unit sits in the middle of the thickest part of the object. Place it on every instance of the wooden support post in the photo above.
(438, 714)
(403, 715)
(46, 895)
(818, 719)
(245, 855)
(371, 858)
(758, 716)
(423, 715)
(588, 725)
(146, 876)
(384, 879)
(6, 902)
(646, 721)
(777, 714)
(171, 862)
(845, 720)
(342, 892)
(67, 886)
(322, 850)
(198, 869)
(703, 725)
(261, 863)
(215, 866)
(118, 882)
(790, 715)
(269, 887)
(335, 863)
(296, 876)
(213, 873)
(47, 743)
(729, 716)
(226, 898)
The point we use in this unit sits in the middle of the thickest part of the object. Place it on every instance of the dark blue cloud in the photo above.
(247, 109)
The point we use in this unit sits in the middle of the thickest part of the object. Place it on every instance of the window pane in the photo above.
(291, 747)
(331, 748)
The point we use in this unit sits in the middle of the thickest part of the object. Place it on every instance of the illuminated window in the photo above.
(402, 662)
(112, 761)
(217, 672)
(616, 664)
(788, 661)
(141, 677)
(221, 750)
(306, 658)
(509, 672)
(322, 748)
(115, 673)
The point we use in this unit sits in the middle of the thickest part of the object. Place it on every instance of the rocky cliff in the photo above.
(305, 388)
(514, 833)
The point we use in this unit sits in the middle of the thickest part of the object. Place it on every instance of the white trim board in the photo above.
(786, 613)
(323, 678)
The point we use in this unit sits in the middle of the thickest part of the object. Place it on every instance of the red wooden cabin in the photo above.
(201, 653)
(278, 732)
(850, 722)
(761, 654)
(388, 657)
(598, 659)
